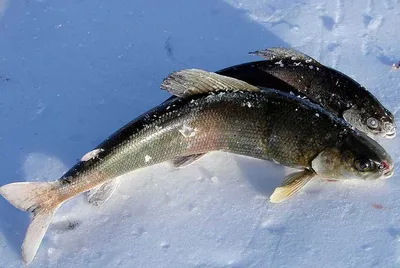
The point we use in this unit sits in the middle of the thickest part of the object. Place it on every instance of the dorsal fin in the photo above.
(281, 53)
(194, 81)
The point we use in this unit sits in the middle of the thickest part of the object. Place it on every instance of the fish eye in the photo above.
(363, 165)
(372, 123)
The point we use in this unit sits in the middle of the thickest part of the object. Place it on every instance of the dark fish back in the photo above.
(322, 85)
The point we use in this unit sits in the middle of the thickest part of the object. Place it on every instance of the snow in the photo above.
(147, 158)
(73, 72)
(187, 131)
(90, 155)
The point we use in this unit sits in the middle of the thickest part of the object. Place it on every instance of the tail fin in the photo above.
(38, 198)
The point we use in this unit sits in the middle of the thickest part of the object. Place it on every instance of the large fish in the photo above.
(214, 113)
(290, 70)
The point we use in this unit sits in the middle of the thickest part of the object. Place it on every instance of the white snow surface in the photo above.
(73, 72)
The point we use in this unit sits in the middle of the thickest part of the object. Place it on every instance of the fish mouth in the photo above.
(388, 173)
(390, 135)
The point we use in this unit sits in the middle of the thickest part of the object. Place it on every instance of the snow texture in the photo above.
(73, 72)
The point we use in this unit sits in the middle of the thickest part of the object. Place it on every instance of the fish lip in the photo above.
(390, 135)
(388, 173)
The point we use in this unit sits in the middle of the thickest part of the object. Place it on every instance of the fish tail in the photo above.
(42, 200)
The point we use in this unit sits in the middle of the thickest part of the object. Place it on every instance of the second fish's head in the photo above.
(356, 157)
(370, 117)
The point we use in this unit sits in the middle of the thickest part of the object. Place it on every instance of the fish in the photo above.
(289, 70)
(211, 113)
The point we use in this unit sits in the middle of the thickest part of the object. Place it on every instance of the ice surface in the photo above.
(73, 72)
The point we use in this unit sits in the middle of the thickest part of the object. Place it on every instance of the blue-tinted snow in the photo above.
(73, 72)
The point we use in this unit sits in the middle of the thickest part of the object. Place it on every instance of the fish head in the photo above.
(372, 119)
(358, 157)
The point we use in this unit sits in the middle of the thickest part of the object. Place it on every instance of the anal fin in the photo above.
(292, 184)
(100, 194)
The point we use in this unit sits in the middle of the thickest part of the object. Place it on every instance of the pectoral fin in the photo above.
(281, 53)
(184, 161)
(291, 185)
(194, 81)
(100, 194)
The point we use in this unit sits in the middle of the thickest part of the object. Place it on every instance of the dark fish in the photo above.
(333, 90)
